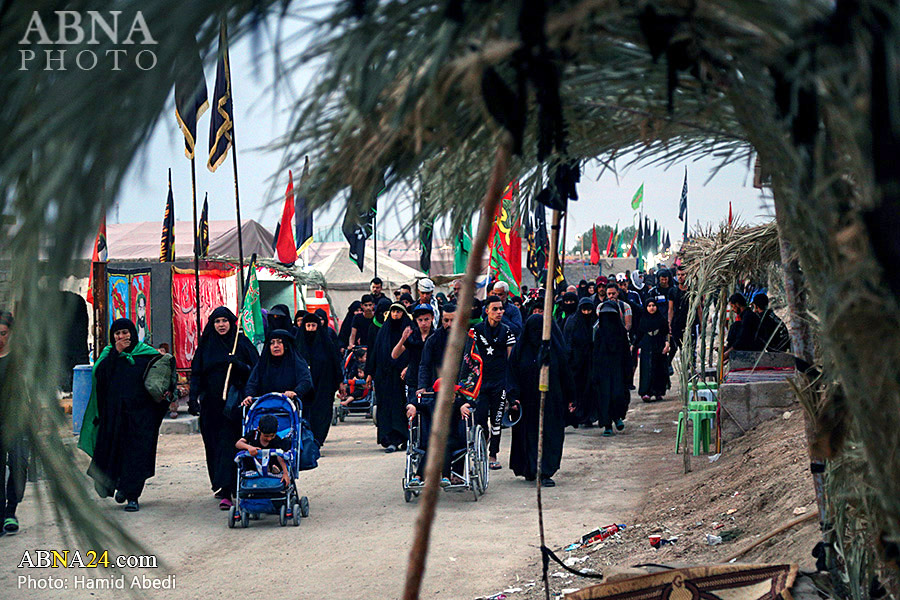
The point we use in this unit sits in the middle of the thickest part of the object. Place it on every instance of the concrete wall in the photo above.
(743, 406)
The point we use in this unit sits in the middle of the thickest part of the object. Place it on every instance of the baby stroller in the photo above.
(261, 491)
(468, 465)
(362, 398)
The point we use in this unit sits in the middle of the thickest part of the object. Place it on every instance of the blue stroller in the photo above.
(262, 491)
(360, 396)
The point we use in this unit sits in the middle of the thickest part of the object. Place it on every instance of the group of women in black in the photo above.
(600, 354)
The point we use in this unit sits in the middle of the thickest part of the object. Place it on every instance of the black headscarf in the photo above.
(569, 303)
(279, 373)
(280, 318)
(580, 327)
(582, 288)
(299, 315)
(610, 334)
(210, 333)
(119, 325)
(387, 337)
(347, 323)
(650, 323)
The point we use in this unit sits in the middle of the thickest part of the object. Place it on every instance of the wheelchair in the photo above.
(469, 470)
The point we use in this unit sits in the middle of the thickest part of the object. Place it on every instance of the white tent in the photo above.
(346, 283)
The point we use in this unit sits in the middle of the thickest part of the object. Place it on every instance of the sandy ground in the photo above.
(355, 542)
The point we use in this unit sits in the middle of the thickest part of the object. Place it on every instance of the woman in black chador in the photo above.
(128, 420)
(579, 348)
(524, 368)
(317, 348)
(208, 370)
(610, 358)
(652, 338)
(280, 370)
(390, 391)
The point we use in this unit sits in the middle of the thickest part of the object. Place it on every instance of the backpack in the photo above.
(309, 449)
(160, 378)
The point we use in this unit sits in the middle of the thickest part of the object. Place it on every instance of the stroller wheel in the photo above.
(245, 519)
(304, 506)
(408, 495)
(282, 515)
(231, 515)
(296, 517)
(334, 417)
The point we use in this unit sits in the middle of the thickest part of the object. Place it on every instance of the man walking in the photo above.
(494, 341)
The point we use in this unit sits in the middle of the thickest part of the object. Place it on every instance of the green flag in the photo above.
(638, 198)
(461, 248)
(251, 313)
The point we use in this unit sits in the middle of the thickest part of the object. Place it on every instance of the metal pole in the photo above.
(100, 291)
(375, 240)
(562, 265)
(196, 246)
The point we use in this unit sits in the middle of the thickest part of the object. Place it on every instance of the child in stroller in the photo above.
(268, 462)
(355, 393)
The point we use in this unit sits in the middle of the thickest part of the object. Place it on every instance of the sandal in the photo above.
(225, 504)
(495, 465)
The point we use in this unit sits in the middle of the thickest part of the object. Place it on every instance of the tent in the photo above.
(140, 241)
(345, 283)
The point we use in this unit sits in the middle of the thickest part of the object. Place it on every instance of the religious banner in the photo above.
(139, 302)
(119, 294)
(129, 298)
(217, 288)
(506, 242)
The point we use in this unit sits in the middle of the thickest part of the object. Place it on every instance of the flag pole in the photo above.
(196, 245)
(562, 265)
(237, 209)
(375, 239)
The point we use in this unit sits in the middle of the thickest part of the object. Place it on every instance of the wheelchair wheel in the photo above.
(282, 515)
(231, 519)
(342, 416)
(296, 514)
(373, 414)
(481, 461)
(245, 519)
(334, 416)
(304, 506)
(408, 495)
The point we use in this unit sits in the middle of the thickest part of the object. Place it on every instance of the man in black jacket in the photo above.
(433, 352)
(494, 341)
(745, 336)
(772, 335)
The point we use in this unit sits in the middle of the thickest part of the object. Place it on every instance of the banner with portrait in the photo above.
(218, 287)
(129, 298)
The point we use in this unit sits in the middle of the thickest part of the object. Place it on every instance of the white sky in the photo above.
(261, 116)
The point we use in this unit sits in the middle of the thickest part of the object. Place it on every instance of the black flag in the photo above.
(202, 238)
(426, 233)
(221, 121)
(541, 239)
(190, 97)
(359, 223)
(167, 240)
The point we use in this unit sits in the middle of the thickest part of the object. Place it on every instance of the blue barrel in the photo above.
(81, 393)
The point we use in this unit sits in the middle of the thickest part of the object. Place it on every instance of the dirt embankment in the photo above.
(760, 482)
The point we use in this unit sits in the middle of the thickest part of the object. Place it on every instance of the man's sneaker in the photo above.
(444, 482)
(11, 525)
(620, 424)
(608, 432)
(415, 481)
(132, 506)
(389, 449)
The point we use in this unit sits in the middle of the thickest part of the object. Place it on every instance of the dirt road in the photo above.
(355, 542)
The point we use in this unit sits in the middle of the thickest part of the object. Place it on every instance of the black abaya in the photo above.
(278, 374)
(652, 332)
(347, 325)
(579, 350)
(208, 370)
(128, 427)
(525, 367)
(390, 390)
(610, 358)
(324, 363)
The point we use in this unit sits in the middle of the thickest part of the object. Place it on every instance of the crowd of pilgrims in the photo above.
(602, 332)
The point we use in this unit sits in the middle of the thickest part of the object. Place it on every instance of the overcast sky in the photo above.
(261, 116)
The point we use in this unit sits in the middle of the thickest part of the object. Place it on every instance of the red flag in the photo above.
(595, 249)
(631, 247)
(100, 255)
(285, 248)
(609, 244)
(729, 214)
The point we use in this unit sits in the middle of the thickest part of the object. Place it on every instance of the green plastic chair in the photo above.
(701, 421)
